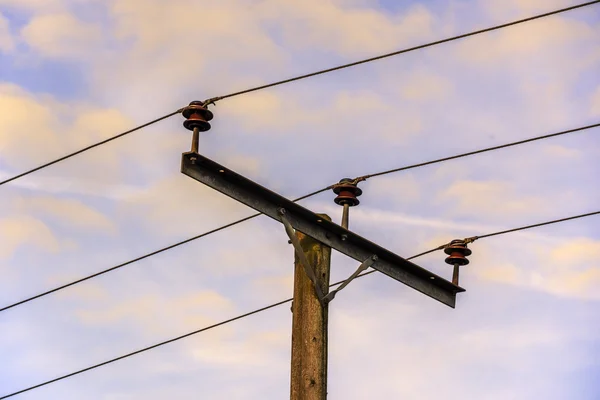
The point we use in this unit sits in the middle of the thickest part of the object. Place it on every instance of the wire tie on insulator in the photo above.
(359, 179)
(470, 239)
(211, 101)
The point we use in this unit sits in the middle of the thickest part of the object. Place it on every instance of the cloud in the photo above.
(74, 186)
(277, 285)
(19, 107)
(67, 212)
(426, 87)
(61, 35)
(52, 127)
(161, 55)
(579, 250)
(256, 351)
(158, 315)
(520, 8)
(348, 30)
(20, 231)
(557, 264)
(503, 273)
(518, 342)
(494, 199)
(508, 46)
(181, 205)
(568, 268)
(37, 128)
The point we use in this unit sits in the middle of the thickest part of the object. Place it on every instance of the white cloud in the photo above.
(20, 231)
(493, 199)
(19, 107)
(156, 315)
(568, 268)
(61, 35)
(180, 205)
(67, 212)
(348, 30)
(426, 87)
(503, 9)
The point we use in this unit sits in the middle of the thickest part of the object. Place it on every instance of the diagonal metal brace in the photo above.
(308, 269)
(365, 264)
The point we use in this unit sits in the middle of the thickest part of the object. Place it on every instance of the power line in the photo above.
(137, 128)
(298, 199)
(154, 346)
(487, 235)
(470, 153)
(75, 282)
(395, 53)
(278, 304)
(536, 225)
(300, 77)
(37, 296)
(145, 349)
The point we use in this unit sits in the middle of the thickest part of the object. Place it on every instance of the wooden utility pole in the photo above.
(313, 236)
(309, 322)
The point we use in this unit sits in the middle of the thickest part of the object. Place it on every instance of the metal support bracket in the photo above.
(365, 264)
(308, 269)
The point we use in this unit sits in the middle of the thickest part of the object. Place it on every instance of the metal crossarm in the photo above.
(269, 203)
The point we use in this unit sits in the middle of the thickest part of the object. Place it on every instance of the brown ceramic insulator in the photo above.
(197, 116)
(457, 259)
(347, 193)
(458, 252)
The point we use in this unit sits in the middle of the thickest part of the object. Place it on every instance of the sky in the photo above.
(73, 72)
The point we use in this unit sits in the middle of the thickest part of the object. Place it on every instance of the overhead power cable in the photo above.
(504, 232)
(154, 346)
(300, 77)
(471, 153)
(522, 228)
(362, 178)
(407, 50)
(63, 158)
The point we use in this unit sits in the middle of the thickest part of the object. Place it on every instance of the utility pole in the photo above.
(310, 321)
(313, 237)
